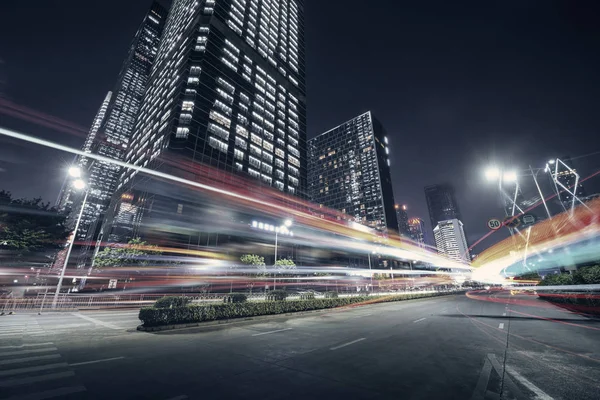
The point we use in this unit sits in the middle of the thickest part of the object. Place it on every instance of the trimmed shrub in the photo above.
(211, 312)
(277, 295)
(172, 301)
(236, 298)
(331, 295)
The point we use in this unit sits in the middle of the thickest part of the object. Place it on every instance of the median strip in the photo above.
(190, 315)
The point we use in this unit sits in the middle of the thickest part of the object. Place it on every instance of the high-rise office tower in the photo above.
(68, 195)
(113, 125)
(349, 170)
(227, 90)
(402, 216)
(450, 240)
(566, 175)
(418, 233)
(441, 203)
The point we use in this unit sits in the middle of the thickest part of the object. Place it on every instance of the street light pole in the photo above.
(64, 268)
(370, 271)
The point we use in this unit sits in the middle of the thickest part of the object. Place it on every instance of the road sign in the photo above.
(528, 219)
(112, 284)
(494, 224)
(512, 222)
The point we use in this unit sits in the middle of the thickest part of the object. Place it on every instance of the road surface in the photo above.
(487, 345)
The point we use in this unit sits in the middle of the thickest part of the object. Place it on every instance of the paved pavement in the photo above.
(484, 346)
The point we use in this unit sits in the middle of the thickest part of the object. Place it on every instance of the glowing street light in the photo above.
(492, 173)
(510, 176)
(75, 172)
(79, 184)
(282, 229)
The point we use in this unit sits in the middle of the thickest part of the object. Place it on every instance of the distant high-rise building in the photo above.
(450, 240)
(566, 174)
(441, 203)
(68, 195)
(227, 90)
(418, 233)
(113, 125)
(402, 216)
(349, 170)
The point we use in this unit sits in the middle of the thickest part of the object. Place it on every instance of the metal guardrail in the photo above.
(70, 302)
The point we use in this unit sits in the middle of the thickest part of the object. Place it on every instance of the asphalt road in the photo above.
(484, 346)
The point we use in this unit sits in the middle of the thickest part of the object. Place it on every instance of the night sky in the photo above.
(458, 85)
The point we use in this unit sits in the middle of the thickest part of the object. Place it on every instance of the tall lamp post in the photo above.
(283, 229)
(78, 184)
(370, 270)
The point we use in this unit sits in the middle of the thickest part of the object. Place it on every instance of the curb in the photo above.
(209, 324)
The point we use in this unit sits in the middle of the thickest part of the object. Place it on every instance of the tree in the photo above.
(135, 252)
(528, 276)
(285, 264)
(256, 261)
(28, 226)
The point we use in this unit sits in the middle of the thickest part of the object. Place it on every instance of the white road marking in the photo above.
(347, 344)
(26, 359)
(419, 320)
(360, 316)
(26, 345)
(97, 321)
(48, 394)
(266, 333)
(19, 352)
(34, 379)
(44, 367)
(501, 326)
(539, 394)
(95, 361)
(504, 314)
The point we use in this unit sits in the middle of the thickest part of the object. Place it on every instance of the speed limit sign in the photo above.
(494, 224)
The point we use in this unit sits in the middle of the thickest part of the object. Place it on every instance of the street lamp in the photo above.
(78, 184)
(283, 229)
(492, 173)
(370, 270)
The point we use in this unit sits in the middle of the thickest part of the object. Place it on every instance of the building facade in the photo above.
(567, 177)
(441, 203)
(349, 170)
(227, 90)
(450, 240)
(402, 216)
(113, 125)
(418, 233)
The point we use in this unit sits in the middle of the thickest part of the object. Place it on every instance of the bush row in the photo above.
(210, 312)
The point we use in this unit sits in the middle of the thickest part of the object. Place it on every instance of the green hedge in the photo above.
(211, 312)
(277, 295)
(172, 302)
(235, 298)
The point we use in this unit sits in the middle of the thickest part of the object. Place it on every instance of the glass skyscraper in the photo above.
(349, 170)
(402, 216)
(227, 90)
(111, 130)
(441, 203)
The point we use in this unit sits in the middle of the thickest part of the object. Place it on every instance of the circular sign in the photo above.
(494, 224)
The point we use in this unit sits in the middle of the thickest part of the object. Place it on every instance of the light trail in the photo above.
(393, 246)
